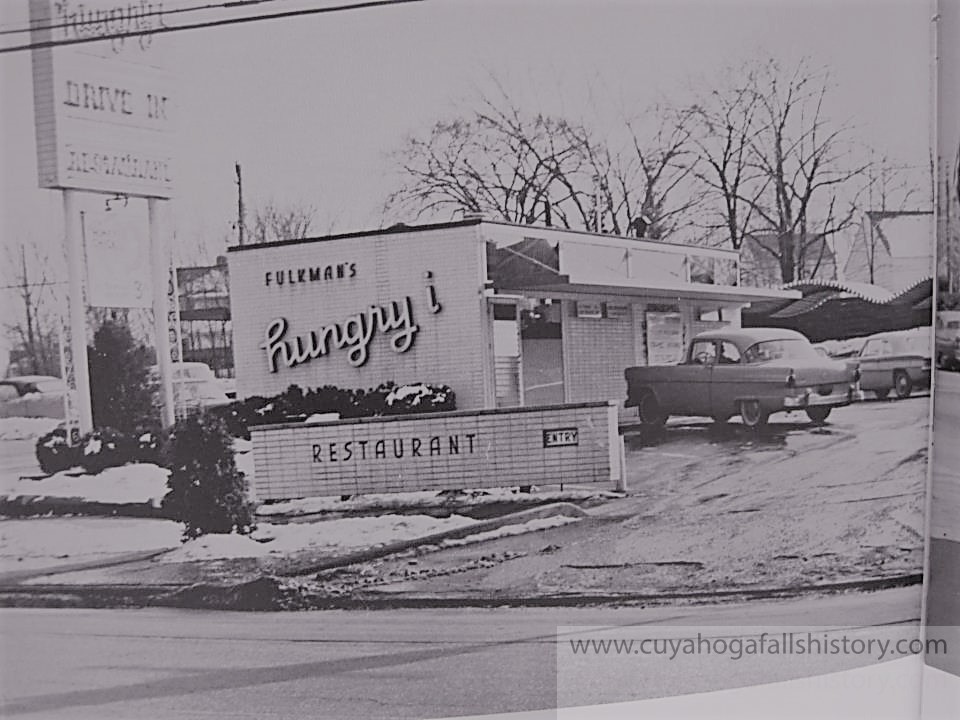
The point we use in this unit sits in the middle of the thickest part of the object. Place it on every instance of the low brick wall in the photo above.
(440, 451)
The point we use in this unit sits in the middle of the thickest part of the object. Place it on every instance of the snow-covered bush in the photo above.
(54, 453)
(206, 491)
(419, 398)
(105, 448)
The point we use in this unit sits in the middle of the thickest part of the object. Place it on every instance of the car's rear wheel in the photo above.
(818, 414)
(650, 411)
(753, 414)
(882, 394)
(902, 384)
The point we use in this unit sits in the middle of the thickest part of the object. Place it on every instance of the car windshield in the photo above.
(53, 385)
(790, 349)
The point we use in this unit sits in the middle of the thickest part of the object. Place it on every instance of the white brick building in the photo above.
(504, 314)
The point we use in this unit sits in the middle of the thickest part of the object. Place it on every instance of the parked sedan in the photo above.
(32, 396)
(195, 386)
(948, 339)
(897, 361)
(753, 372)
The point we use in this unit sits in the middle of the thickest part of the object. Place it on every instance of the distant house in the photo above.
(892, 249)
(760, 260)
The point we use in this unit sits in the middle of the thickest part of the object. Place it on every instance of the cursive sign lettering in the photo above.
(354, 334)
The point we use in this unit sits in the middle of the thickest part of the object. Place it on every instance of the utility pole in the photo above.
(239, 203)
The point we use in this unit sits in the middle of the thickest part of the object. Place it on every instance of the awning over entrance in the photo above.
(714, 294)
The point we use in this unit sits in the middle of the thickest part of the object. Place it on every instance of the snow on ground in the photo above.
(429, 498)
(25, 428)
(334, 536)
(508, 530)
(43, 542)
(137, 483)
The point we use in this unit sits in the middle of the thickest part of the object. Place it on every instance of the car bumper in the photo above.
(811, 398)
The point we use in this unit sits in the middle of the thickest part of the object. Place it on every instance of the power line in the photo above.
(144, 14)
(210, 24)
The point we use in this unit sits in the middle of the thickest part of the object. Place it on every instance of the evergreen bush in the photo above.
(206, 491)
(121, 387)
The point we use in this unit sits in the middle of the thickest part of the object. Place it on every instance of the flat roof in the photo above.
(392, 230)
(525, 230)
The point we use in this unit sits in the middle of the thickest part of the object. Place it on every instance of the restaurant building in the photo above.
(506, 315)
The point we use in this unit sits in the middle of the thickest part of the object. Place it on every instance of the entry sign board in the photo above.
(103, 109)
(561, 437)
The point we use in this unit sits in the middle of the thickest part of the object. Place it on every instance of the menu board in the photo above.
(664, 338)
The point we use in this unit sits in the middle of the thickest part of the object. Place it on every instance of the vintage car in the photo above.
(32, 396)
(897, 361)
(752, 372)
(948, 339)
(195, 386)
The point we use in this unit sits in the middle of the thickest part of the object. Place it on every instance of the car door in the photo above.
(873, 375)
(728, 381)
(692, 396)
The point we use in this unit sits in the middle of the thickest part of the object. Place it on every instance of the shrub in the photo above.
(105, 448)
(206, 491)
(54, 453)
(295, 403)
(121, 391)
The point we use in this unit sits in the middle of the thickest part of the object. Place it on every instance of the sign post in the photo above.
(104, 117)
(79, 384)
(159, 258)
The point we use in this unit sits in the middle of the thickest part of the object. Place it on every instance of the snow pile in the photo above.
(332, 536)
(40, 543)
(138, 483)
(428, 498)
(508, 530)
(24, 428)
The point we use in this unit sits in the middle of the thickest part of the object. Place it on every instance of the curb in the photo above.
(17, 576)
(266, 594)
(375, 553)
(21, 506)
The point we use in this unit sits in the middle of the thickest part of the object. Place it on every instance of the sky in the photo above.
(312, 106)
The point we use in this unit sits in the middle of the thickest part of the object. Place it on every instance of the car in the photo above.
(32, 396)
(895, 361)
(753, 372)
(948, 339)
(195, 386)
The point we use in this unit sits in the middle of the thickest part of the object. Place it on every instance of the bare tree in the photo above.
(497, 161)
(33, 334)
(531, 168)
(778, 165)
(271, 222)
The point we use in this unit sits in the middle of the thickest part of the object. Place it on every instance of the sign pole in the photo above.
(159, 268)
(73, 251)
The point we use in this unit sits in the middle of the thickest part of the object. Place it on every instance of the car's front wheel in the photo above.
(818, 414)
(753, 414)
(650, 411)
(902, 384)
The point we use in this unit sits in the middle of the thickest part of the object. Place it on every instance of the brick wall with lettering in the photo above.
(447, 347)
(491, 448)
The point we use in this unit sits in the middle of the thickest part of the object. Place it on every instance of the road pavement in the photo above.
(387, 664)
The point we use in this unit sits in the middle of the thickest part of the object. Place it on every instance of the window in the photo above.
(780, 350)
(703, 352)
(729, 354)
(8, 392)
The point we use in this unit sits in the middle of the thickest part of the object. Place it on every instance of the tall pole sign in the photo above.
(104, 116)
